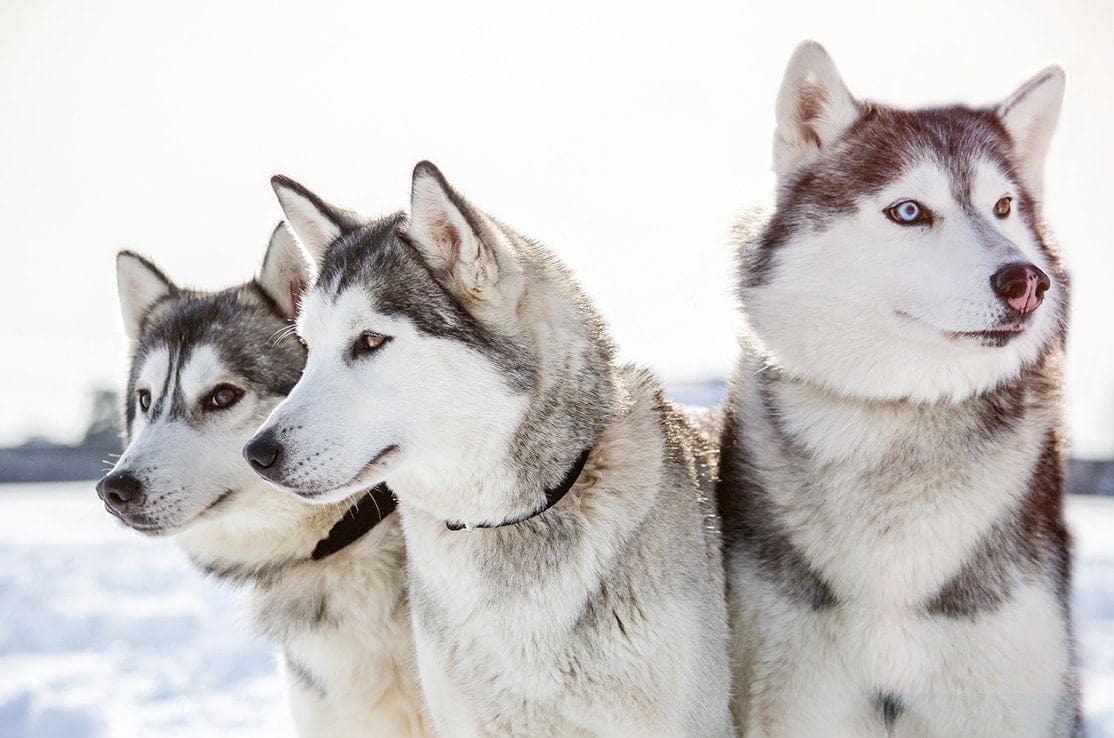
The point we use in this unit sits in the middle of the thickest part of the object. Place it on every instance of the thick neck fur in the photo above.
(909, 489)
(258, 532)
(342, 623)
(571, 398)
(611, 493)
(574, 387)
(843, 428)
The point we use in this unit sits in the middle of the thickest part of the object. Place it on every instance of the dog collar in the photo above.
(365, 514)
(553, 495)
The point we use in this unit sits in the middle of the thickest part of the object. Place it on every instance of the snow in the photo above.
(1092, 523)
(106, 633)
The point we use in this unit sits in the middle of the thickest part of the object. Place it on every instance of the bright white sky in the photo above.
(626, 136)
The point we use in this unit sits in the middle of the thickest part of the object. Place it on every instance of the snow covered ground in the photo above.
(106, 633)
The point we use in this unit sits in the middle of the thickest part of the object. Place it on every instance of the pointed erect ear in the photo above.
(141, 285)
(446, 231)
(813, 108)
(314, 222)
(1030, 117)
(284, 273)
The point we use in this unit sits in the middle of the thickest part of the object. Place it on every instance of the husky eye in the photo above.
(224, 395)
(1003, 207)
(144, 398)
(368, 343)
(908, 212)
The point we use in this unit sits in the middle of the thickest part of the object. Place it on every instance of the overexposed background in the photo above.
(626, 136)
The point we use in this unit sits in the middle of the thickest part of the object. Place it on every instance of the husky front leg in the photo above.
(451, 713)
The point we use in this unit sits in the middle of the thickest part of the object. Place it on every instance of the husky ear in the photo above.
(314, 222)
(813, 108)
(1030, 116)
(140, 285)
(284, 273)
(446, 231)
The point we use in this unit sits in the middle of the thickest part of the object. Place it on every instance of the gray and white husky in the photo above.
(891, 466)
(564, 565)
(206, 369)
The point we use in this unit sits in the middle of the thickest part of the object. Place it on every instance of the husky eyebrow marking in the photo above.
(379, 257)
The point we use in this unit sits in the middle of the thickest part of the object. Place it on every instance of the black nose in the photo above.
(263, 451)
(121, 491)
(1021, 286)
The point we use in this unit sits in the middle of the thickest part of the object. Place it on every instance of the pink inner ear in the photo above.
(448, 241)
(810, 103)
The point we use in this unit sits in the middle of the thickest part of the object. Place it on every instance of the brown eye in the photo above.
(1002, 207)
(144, 398)
(368, 343)
(225, 395)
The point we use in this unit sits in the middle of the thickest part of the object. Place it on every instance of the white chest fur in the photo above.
(886, 500)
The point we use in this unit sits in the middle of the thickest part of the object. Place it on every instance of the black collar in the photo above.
(365, 514)
(553, 495)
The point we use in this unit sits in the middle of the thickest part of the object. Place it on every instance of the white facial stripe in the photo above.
(989, 185)
(313, 317)
(926, 183)
(202, 371)
(152, 374)
(152, 377)
(337, 324)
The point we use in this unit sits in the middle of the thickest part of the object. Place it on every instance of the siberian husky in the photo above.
(327, 583)
(564, 556)
(891, 466)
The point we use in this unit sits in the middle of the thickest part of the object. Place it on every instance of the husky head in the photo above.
(447, 355)
(905, 258)
(206, 369)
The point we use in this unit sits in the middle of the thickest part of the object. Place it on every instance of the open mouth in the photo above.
(358, 480)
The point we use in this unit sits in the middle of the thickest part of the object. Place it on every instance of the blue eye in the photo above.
(907, 212)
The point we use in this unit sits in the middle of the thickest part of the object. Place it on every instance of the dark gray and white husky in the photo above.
(326, 582)
(565, 574)
(891, 465)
